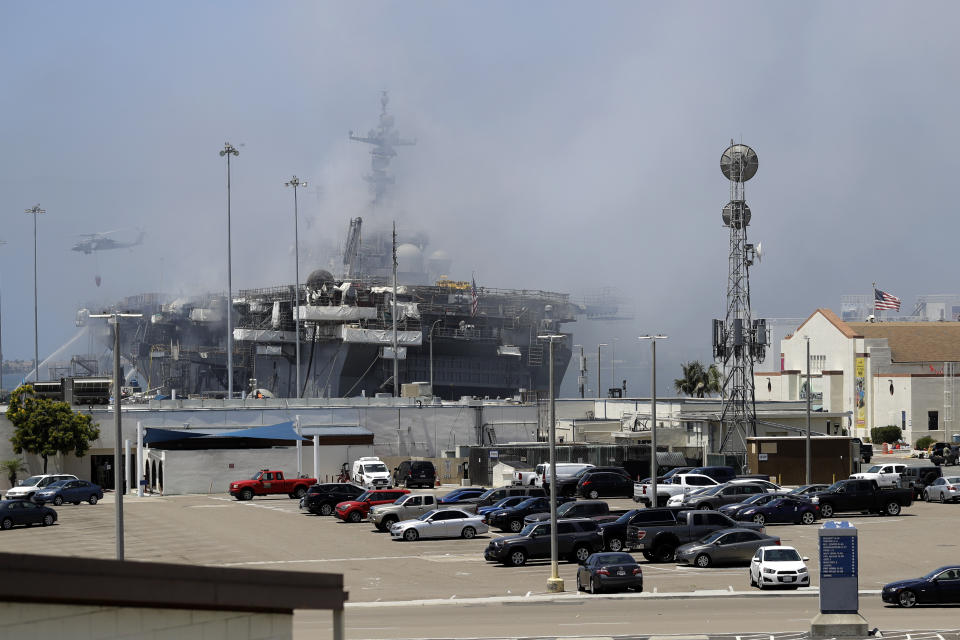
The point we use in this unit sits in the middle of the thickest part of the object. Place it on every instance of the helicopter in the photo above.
(102, 242)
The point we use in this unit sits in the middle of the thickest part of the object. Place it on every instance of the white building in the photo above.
(881, 373)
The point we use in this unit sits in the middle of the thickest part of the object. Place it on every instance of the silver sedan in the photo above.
(946, 489)
(726, 546)
(439, 523)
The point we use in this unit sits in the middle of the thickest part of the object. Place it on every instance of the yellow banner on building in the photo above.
(860, 391)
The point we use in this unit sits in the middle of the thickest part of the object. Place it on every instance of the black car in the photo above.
(322, 499)
(415, 473)
(26, 512)
(603, 571)
(576, 540)
(567, 486)
(492, 496)
(511, 519)
(919, 478)
(940, 586)
(605, 484)
(720, 474)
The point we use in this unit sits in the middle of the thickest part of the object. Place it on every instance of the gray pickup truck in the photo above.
(408, 507)
(594, 509)
(658, 532)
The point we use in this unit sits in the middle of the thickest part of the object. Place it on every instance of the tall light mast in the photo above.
(738, 340)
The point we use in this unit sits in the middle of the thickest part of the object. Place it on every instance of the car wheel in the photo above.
(648, 556)
(388, 522)
(47, 519)
(593, 587)
(925, 496)
(907, 598)
(703, 561)
(615, 544)
(760, 583)
(515, 525)
(299, 492)
(580, 554)
(246, 494)
(579, 584)
(593, 494)
(892, 508)
(411, 535)
(808, 517)
(355, 516)
(57, 501)
(6, 524)
(826, 510)
(326, 509)
(706, 506)
(759, 519)
(753, 582)
(518, 557)
(92, 499)
(664, 552)
(942, 498)
(468, 532)
(636, 499)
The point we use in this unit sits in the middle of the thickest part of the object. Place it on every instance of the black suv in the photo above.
(415, 473)
(511, 518)
(576, 540)
(322, 499)
(495, 495)
(567, 486)
(605, 484)
(720, 474)
(919, 478)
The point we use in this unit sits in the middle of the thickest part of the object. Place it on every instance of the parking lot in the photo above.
(271, 533)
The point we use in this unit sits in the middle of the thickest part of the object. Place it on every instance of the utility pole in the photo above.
(229, 150)
(654, 467)
(396, 356)
(35, 210)
(296, 182)
(582, 378)
(555, 582)
(809, 393)
(602, 344)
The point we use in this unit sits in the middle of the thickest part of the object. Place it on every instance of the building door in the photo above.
(101, 471)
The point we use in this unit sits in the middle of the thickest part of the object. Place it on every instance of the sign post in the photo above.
(839, 615)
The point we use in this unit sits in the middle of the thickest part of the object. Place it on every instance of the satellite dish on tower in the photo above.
(759, 251)
(739, 163)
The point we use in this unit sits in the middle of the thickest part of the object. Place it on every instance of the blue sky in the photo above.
(562, 146)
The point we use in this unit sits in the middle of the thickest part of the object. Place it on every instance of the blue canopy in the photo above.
(282, 431)
(153, 435)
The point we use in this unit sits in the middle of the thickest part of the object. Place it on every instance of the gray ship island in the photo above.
(465, 340)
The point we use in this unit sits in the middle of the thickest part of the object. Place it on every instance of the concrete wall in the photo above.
(84, 622)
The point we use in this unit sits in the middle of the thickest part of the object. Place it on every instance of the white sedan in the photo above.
(778, 566)
(946, 489)
(440, 523)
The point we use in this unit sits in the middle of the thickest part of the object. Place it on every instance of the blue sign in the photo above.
(838, 557)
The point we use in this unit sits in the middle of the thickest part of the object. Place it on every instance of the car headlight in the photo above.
(749, 511)
(766, 570)
(802, 570)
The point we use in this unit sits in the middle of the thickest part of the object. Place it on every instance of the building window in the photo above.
(933, 420)
(817, 363)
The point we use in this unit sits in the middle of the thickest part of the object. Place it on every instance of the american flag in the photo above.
(474, 298)
(883, 300)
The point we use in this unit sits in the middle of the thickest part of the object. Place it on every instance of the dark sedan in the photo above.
(611, 571)
(733, 510)
(940, 586)
(790, 509)
(726, 546)
(462, 493)
(505, 503)
(75, 491)
(13, 512)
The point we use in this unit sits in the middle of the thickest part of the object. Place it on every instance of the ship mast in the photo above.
(384, 138)
(396, 356)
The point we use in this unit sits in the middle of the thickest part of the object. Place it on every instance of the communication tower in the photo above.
(384, 139)
(739, 340)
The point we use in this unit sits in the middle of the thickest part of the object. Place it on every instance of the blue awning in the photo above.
(282, 431)
(152, 435)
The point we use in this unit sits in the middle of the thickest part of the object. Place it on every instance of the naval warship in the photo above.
(383, 297)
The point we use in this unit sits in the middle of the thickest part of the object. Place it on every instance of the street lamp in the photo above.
(613, 363)
(435, 323)
(554, 582)
(118, 477)
(296, 182)
(809, 393)
(653, 415)
(2, 242)
(229, 150)
(602, 344)
(35, 210)
(581, 379)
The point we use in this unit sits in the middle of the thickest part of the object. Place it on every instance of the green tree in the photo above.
(890, 434)
(698, 381)
(12, 468)
(46, 427)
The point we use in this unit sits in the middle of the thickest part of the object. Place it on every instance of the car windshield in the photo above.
(626, 517)
(836, 485)
(31, 481)
(426, 516)
(255, 476)
(400, 500)
(363, 496)
(710, 538)
(936, 572)
(953, 480)
(542, 529)
(756, 498)
(562, 509)
(712, 491)
(781, 555)
(616, 558)
(58, 483)
(503, 503)
(527, 503)
(375, 468)
(874, 469)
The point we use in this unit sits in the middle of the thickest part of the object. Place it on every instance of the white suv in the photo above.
(29, 486)
(370, 472)
(778, 566)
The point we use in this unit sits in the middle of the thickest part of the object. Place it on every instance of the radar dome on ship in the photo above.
(318, 278)
(439, 262)
(409, 258)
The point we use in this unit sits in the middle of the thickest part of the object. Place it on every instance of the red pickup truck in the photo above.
(357, 510)
(269, 482)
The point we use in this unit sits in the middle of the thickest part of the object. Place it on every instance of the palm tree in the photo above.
(12, 468)
(697, 381)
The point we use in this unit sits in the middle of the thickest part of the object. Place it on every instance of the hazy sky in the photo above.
(561, 146)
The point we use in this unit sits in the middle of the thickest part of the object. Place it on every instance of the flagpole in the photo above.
(873, 294)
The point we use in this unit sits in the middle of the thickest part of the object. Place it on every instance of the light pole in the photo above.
(809, 393)
(2, 242)
(118, 476)
(435, 323)
(613, 363)
(653, 415)
(581, 379)
(554, 582)
(296, 182)
(229, 150)
(602, 344)
(35, 210)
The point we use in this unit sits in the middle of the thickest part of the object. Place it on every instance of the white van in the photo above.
(371, 472)
(564, 470)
